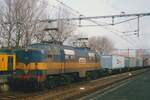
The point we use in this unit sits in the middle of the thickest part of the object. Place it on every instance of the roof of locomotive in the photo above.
(57, 46)
(6, 51)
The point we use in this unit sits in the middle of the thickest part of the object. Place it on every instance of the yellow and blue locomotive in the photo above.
(50, 65)
(7, 67)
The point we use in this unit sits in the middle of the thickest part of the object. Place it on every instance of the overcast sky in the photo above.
(111, 7)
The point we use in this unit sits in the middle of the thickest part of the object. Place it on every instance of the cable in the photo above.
(97, 23)
(104, 16)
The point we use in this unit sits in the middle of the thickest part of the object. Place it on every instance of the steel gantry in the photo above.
(92, 19)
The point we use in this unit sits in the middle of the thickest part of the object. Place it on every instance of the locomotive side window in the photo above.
(66, 57)
(92, 57)
(72, 57)
(50, 57)
(69, 57)
(69, 54)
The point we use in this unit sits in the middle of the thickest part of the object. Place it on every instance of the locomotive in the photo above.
(50, 65)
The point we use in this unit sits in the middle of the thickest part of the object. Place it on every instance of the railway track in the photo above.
(73, 91)
(7, 96)
(20, 95)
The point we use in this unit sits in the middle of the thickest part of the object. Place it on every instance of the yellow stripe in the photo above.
(21, 66)
(57, 66)
(39, 66)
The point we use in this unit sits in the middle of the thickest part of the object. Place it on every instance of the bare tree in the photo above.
(65, 27)
(6, 24)
(78, 40)
(20, 25)
(101, 44)
(18, 21)
(62, 29)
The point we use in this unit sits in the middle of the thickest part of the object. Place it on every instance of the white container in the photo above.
(139, 62)
(132, 62)
(112, 62)
(147, 62)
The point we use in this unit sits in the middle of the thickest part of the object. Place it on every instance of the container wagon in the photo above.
(127, 62)
(139, 62)
(132, 62)
(113, 63)
(146, 62)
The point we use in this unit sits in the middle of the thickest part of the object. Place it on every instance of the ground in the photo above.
(137, 88)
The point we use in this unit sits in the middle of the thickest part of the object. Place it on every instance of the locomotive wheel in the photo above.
(52, 81)
(75, 77)
(67, 79)
(33, 84)
(91, 75)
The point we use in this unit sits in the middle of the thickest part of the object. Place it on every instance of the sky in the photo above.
(112, 7)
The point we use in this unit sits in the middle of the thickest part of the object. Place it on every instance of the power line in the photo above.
(106, 24)
(100, 17)
(97, 17)
(68, 7)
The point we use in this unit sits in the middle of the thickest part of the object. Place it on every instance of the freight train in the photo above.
(7, 67)
(50, 65)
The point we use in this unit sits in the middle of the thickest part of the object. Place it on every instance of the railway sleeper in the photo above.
(52, 81)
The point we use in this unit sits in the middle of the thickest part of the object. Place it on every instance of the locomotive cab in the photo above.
(29, 63)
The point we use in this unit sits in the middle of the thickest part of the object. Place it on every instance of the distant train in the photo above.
(49, 65)
(7, 67)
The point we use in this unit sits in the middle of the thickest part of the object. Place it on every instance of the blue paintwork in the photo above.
(106, 62)
(58, 50)
(28, 56)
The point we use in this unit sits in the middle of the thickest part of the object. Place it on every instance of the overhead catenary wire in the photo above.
(88, 18)
(117, 9)
(111, 23)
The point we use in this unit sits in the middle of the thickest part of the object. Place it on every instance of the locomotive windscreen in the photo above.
(28, 56)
